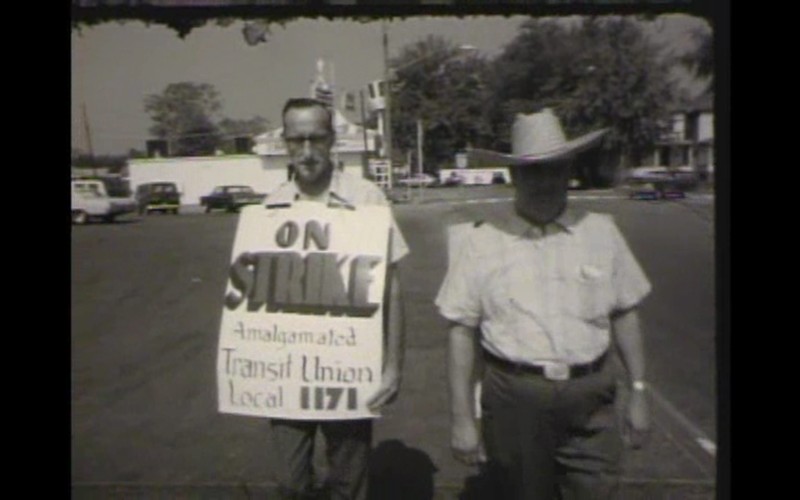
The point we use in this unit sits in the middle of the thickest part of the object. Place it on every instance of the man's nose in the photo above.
(306, 146)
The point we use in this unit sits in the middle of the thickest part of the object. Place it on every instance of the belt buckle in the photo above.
(556, 371)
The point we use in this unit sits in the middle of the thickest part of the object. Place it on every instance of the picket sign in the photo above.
(301, 335)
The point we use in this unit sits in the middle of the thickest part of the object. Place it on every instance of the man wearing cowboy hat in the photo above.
(542, 298)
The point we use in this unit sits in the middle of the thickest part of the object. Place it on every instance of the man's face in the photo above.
(309, 140)
(541, 190)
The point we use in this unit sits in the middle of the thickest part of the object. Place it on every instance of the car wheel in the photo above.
(175, 211)
(208, 208)
(79, 217)
(108, 219)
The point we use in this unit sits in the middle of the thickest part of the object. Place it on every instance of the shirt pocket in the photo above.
(588, 292)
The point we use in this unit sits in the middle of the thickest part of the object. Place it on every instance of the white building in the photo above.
(689, 141)
(264, 170)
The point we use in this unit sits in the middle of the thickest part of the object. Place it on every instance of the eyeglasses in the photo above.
(316, 141)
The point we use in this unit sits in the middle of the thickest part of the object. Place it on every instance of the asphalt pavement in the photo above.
(145, 316)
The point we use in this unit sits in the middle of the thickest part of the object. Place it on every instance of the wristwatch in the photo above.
(638, 385)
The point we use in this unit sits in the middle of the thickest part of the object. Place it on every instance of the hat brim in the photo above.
(567, 149)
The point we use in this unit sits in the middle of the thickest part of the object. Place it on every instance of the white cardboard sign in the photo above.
(301, 335)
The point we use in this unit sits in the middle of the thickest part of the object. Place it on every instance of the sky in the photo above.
(116, 65)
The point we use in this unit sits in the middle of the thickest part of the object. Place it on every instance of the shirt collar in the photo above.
(520, 227)
(336, 194)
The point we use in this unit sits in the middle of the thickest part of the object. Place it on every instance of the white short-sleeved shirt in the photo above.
(346, 189)
(540, 298)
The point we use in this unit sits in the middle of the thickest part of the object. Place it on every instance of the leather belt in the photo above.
(555, 371)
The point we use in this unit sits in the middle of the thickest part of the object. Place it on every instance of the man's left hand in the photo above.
(387, 392)
(637, 420)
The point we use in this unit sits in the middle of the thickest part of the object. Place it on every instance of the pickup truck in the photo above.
(90, 200)
(231, 198)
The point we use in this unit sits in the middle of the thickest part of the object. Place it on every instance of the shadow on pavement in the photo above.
(401, 473)
(478, 487)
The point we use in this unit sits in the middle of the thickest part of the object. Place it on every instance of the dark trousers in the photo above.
(551, 440)
(348, 444)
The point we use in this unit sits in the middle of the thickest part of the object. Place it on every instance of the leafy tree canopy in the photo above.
(700, 59)
(444, 86)
(184, 114)
(188, 116)
(244, 128)
(594, 72)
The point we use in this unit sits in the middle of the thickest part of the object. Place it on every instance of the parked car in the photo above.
(90, 200)
(656, 190)
(453, 180)
(498, 178)
(418, 180)
(158, 197)
(231, 198)
(683, 178)
(670, 190)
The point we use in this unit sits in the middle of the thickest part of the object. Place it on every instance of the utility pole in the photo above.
(419, 145)
(88, 132)
(87, 129)
(364, 124)
(420, 138)
(387, 122)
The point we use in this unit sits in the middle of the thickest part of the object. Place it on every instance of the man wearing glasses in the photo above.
(309, 135)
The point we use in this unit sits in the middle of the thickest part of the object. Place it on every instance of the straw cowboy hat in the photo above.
(535, 138)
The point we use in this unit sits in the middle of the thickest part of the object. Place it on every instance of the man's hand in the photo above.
(465, 442)
(387, 392)
(636, 426)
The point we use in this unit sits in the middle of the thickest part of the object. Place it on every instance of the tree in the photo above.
(185, 114)
(700, 59)
(249, 127)
(232, 129)
(201, 138)
(435, 83)
(134, 153)
(596, 72)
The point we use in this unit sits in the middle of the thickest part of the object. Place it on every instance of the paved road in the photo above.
(145, 312)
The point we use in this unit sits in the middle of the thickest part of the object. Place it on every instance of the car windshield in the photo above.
(240, 189)
(88, 190)
(164, 188)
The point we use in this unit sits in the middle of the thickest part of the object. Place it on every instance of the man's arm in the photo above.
(394, 344)
(465, 440)
(628, 339)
